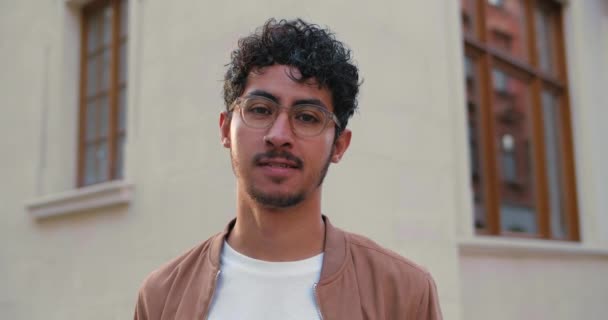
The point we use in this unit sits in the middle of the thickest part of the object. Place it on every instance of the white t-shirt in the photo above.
(254, 289)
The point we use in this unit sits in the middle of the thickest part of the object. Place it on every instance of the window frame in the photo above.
(113, 132)
(484, 59)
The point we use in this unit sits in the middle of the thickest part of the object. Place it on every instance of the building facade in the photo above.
(479, 150)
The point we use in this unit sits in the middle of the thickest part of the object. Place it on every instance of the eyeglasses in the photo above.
(306, 120)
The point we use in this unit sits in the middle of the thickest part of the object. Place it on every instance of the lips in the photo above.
(279, 163)
(278, 159)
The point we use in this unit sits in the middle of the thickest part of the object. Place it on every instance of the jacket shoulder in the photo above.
(158, 284)
(403, 282)
(175, 266)
(383, 259)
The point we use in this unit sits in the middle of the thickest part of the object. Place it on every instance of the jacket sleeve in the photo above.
(429, 305)
(141, 311)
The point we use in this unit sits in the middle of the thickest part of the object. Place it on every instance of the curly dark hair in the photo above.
(314, 51)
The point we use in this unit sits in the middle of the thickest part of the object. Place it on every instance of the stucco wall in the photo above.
(534, 286)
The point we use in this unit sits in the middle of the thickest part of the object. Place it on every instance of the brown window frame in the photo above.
(113, 132)
(484, 57)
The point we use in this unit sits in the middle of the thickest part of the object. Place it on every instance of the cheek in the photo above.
(243, 142)
(234, 128)
(329, 145)
(320, 152)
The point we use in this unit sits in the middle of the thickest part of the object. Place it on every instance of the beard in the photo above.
(274, 200)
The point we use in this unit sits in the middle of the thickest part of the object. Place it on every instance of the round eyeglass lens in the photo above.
(308, 120)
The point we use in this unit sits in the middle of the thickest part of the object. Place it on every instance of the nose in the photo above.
(280, 133)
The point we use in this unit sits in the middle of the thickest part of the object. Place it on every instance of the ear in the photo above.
(225, 129)
(341, 145)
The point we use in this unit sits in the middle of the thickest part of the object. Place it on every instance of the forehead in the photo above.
(278, 80)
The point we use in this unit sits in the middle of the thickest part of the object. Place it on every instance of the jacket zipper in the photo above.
(217, 276)
(317, 304)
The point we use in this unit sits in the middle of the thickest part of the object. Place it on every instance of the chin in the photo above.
(276, 199)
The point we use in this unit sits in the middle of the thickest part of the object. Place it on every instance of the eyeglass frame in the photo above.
(330, 116)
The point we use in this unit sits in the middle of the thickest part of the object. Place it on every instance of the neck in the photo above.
(285, 234)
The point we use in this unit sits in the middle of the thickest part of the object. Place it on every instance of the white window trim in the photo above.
(504, 246)
(98, 196)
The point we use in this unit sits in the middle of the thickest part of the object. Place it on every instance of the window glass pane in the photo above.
(105, 69)
(124, 14)
(122, 109)
(104, 114)
(506, 23)
(474, 123)
(90, 173)
(120, 145)
(499, 79)
(106, 15)
(122, 63)
(92, 76)
(553, 141)
(508, 156)
(93, 32)
(512, 116)
(91, 124)
(545, 15)
(101, 155)
(469, 17)
(102, 18)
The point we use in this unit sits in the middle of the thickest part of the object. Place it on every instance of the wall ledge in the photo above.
(97, 196)
(528, 247)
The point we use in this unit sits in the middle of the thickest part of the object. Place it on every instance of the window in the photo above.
(496, 3)
(103, 91)
(509, 165)
(501, 39)
(500, 82)
(519, 119)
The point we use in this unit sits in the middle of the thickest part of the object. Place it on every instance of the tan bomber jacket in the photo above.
(359, 280)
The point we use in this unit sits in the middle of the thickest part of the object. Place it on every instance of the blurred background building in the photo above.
(479, 150)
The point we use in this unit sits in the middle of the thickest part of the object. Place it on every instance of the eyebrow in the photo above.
(265, 94)
(315, 102)
(268, 95)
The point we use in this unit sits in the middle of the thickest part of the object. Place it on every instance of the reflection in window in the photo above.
(507, 27)
(474, 115)
(521, 160)
(469, 19)
(500, 81)
(517, 218)
(512, 114)
(546, 13)
(552, 119)
(496, 3)
(468, 69)
(509, 164)
(502, 40)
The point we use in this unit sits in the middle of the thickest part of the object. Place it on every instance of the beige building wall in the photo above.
(404, 181)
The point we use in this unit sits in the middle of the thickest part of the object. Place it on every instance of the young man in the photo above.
(289, 92)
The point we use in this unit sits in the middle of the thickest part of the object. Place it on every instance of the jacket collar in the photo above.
(334, 250)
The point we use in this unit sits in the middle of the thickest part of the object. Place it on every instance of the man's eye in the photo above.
(259, 110)
(308, 117)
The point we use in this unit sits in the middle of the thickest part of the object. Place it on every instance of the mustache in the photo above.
(273, 154)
